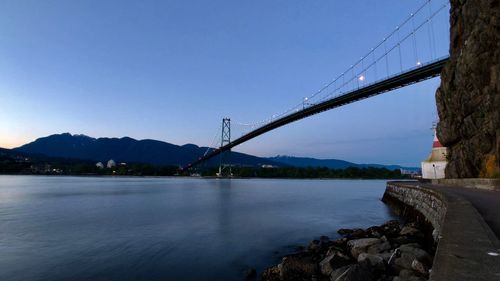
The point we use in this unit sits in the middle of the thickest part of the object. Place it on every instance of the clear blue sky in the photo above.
(170, 70)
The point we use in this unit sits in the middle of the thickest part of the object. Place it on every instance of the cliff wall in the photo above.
(468, 98)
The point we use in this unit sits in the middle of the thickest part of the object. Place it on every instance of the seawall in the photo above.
(467, 249)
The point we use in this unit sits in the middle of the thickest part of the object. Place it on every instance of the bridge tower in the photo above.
(225, 157)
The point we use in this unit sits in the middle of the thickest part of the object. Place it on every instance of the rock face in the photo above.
(468, 98)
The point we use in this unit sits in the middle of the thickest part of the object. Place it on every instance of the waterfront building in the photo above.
(433, 167)
(99, 165)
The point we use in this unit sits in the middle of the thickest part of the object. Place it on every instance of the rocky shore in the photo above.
(389, 252)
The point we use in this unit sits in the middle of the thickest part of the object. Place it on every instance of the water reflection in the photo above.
(71, 228)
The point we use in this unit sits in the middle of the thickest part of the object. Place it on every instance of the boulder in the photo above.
(359, 246)
(332, 262)
(298, 267)
(414, 251)
(379, 248)
(411, 231)
(314, 246)
(407, 275)
(402, 262)
(375, 231)
(271, 274)
(353, 272)
(374, 261)
(357, 234)
(419, 267)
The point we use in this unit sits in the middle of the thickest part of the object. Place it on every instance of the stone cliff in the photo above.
(468, 98)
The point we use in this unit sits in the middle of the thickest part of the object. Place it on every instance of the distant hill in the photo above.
(329, 163)
(128, 150)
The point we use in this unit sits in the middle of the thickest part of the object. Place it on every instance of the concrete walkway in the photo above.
(468, 247)
(486, 202)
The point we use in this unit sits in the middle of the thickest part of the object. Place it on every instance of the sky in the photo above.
(171, 70)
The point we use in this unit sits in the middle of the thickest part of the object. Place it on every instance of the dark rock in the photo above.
(401, 240)
(420, 267)
(407, 275)
(402, 262)
(314, 246)
(374, 261)
(469, 95)
(375, 231)
(271, 274)
(352, 272)
(298, 267)
(416, 253)
(357, 234)
(359, 246)
(409, 254)
(332, 262)
(379, 248)
(391, 228)
(411, 231)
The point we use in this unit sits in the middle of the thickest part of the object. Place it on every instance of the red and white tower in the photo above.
(433, 167)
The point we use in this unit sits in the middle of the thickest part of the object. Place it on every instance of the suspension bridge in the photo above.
(399, 57)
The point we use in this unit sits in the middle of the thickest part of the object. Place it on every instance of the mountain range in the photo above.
(156, 152)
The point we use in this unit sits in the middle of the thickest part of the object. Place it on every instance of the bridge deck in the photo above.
(411, 76)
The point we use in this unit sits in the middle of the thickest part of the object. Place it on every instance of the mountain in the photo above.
(128, 150)
(329, 163)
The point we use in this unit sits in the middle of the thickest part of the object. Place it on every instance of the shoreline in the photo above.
(391, 251)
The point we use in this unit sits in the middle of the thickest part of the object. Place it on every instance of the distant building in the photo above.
(111, 163)
(99, 165)
(433, 167)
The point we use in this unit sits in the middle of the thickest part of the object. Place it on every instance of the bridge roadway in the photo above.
(414, 75)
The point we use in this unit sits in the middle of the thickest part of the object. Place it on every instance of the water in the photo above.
(85, 228)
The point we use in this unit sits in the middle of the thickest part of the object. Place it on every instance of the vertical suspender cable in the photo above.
(414, 39)
(399, 50)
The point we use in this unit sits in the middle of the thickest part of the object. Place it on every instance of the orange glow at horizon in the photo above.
(13, 142)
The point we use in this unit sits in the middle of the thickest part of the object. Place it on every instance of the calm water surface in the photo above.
(79, 228)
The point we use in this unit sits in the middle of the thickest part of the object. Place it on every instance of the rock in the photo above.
(385, 256)
(332, 262)
(375, 231)
(402, 262)
(401, 240)
(314, 246)
(357, 234)
(391, 228)
(408, 255)
(340, 243)
(419, 267)
(359, 246)
(416, 253)
(298, 267)
(353, 272)
(271, 274)
(374, 261)
(407, 275)
(379, 248)
(411, 231)
(468, 97)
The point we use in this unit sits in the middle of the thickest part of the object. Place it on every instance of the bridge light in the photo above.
(361, 78)
(419, 63)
